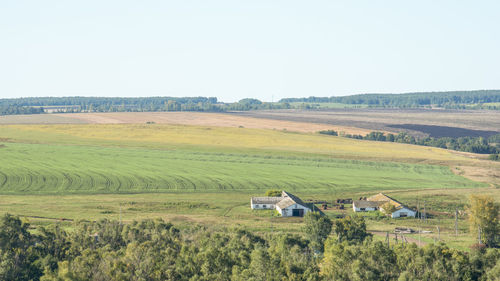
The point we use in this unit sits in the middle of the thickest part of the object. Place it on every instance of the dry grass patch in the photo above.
(206, 119)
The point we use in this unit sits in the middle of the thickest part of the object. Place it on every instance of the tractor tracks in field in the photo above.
(46, 218)
(229, 209)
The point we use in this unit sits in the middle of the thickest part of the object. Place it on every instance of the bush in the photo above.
(494, 157)
(273, 193)
(329, 132)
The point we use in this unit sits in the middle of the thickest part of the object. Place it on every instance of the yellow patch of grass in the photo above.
(159, 135)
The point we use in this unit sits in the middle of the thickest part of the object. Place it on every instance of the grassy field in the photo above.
(224, 140)
(41, 168)
(158, 157)
(231, 209)
(206, 175)
(176, 118)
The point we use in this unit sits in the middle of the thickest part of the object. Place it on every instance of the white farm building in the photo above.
(376, 202)
(288, 205)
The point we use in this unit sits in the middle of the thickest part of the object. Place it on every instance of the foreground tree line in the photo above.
(466, 144)
(156, 250)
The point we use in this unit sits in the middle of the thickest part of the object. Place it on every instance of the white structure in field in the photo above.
(288, 205)
(365, 206)
(376, 202)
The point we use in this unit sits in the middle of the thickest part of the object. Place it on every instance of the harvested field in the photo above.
(383, 119)
(179, 118)
(39, 119)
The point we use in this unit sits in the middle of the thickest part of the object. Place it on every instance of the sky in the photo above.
(246, 49)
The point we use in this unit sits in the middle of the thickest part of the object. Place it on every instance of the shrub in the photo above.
(273, 193)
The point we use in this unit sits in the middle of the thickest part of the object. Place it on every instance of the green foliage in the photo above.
(452, 99)
(467, 144)
(38, 105)
(494, 157)
(483, 216)
(351, 229)
(388, 208)
(273, 193)
(249, 101)
(17, 251)
(329, 132)
(494, 139)
(155, 250)
(317, 228)
(375, 261)
(366, 261)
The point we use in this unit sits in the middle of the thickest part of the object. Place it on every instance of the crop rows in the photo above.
(41, 168)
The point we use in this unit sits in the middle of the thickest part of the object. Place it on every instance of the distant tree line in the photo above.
(455, 99)
(467, 144)
(452, 99)
(156, 250)
(147, 104)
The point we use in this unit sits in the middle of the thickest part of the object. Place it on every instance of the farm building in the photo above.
(288, 205)
(376, 202)
(364, 206)
(264, 202)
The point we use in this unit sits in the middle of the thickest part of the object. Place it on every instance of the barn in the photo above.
(365, 206)
(264, 202)
(402, 212)
(376, 202)
(288, 205)
(291, 206)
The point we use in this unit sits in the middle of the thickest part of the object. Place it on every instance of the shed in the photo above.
(291, 206)
(264, 202)
(401, 210)
(288, 205)
(364, 206)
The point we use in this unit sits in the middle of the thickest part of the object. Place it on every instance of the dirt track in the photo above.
(393, 240)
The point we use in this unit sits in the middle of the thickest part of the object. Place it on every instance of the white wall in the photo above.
(261, 206)
(288, 212)
(409, 213)
(356, 209)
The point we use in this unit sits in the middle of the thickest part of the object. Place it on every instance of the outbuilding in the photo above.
(288, 205)
(364, 206)
(402, 212)
(265, 203)
(378, 201)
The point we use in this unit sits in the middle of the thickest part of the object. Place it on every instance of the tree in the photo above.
(17, 254)
(317, 229)
(483, 217)
(388, 208)
(367, 261)
(351, 228)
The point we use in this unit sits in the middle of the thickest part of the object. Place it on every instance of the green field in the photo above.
(61, 159)
(206, 175)
(43, 168)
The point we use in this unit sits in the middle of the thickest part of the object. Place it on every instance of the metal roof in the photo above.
(266, 200)
(366, 204)
(384, 199)
(289, 200)
(286, 200)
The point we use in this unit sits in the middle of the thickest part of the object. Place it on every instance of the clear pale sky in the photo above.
(236, 49)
